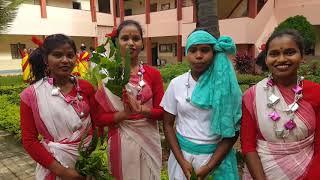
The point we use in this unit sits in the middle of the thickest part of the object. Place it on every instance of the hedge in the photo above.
(10, 114)
(11, 80)
(12, 89)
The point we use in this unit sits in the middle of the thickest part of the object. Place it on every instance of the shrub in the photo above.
(11, 80)
(247, 79)
(243, 63)
(310, 68)
(9, 116)
(171, 71)
(12, 89)
(303, 26)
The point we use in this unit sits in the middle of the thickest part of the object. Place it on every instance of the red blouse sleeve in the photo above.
(248, 133)
(313, 172)
(30, 140)
(98, 115)
(157, 90)
(312, 93)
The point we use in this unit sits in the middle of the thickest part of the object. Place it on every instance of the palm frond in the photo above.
(8, 12)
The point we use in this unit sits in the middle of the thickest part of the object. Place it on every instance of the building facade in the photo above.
(166, 24)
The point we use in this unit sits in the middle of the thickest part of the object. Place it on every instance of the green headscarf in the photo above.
(218, 88)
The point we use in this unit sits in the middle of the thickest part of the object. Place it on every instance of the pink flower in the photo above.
(113, 34)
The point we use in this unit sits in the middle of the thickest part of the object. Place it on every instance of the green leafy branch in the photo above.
(93, 160)
(110, 65)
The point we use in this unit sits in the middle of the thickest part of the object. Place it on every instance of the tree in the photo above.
(303, 26)
(207, 16)
(8, 11)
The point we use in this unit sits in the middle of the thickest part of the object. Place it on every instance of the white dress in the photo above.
(192, 123)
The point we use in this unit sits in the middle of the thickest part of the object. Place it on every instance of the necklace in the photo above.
(187, 84)
(273, 100)
(141, 82)
(76, 102)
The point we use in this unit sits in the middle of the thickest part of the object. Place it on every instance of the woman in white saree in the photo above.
(281, 119)
(55, 106)
(134, 140)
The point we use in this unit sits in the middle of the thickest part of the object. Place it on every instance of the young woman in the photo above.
(55, 106)
(205, 104)
(281, 116)
(135, 149)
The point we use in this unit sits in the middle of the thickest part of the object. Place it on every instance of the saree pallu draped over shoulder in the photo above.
(135, 148)
(59, 124)
(282, 158)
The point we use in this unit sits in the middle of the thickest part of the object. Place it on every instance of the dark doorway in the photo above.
(154, 54)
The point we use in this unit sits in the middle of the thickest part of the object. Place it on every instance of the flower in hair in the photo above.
(37, 41)
(262, 47)
(113, 34)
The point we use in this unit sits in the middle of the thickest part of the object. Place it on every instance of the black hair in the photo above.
(83, 48)
(128, 23)
(294, 34)
(39, 57)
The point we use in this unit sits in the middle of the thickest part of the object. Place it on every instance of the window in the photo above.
(165, 6)
(104, 6)
(15, 50)
(76, 5)
(128, 12)
(165, 47)
(153, 7)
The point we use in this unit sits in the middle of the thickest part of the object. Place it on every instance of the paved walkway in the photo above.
(15, 163)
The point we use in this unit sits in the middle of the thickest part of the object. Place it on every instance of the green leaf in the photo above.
(95, 58)
(100, 49)
(112, 48)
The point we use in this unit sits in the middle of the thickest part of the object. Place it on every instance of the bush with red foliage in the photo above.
(244, 63)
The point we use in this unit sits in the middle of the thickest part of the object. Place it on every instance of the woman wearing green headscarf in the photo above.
(205, 104)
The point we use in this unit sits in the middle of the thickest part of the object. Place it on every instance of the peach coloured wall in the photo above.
(69, 21)
(187, 14)
(236, 28)
(27, 22)
(309, 9)
(104, 19)
(6, 61)
(186, 29)
(59, 20)
(163, 23)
